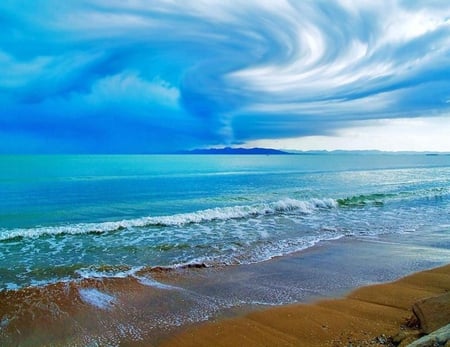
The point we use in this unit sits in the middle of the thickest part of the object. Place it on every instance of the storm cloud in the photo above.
(141, 76)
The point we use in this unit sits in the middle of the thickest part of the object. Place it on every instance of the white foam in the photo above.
(202, 216)
(91, 272)
(155, 284)
(146, 281)
(97, 298)
(267, 251)
(11, 286)
(303, 206)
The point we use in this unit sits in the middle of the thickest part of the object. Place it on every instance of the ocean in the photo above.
(71, 219)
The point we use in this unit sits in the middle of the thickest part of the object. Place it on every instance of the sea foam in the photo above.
(201, 216)
(97, 298)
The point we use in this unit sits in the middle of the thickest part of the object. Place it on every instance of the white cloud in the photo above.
(404, 134)
(403, 25)
(128, 87)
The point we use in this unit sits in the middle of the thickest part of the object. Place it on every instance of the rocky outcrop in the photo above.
(405, 337)
(433, 313)
(432, 319)
(440, 337)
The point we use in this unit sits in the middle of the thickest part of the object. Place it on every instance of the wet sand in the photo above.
(357, 319)
(168, 307)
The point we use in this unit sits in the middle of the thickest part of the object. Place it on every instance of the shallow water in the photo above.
(71, 217)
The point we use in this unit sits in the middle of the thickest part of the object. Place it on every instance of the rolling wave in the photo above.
(287, 205)
(197, 217)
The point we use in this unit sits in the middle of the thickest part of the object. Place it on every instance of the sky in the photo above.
(145, 76)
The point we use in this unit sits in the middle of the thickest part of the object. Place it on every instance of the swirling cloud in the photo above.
(146, 76)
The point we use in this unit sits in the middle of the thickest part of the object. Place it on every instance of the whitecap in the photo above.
(196, 217)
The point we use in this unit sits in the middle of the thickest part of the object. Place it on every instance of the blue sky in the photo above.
(113, 76)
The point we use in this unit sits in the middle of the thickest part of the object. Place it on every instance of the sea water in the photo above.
(65, 218)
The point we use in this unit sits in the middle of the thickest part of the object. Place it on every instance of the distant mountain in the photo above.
(230, 150)
(365, 152)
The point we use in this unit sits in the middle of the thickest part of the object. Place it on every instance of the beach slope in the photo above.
(361, 318)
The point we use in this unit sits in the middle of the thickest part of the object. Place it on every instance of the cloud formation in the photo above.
(151, 76)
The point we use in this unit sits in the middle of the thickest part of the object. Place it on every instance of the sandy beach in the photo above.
(310, 298)
(358, 319)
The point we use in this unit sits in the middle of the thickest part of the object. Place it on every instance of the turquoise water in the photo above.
(71, 217)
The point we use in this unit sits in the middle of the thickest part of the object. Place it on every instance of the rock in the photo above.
(439, 337)
(382, 339)
(409, 335)
(412, 322)
(433, 313)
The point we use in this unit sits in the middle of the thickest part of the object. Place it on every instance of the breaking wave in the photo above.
(197, 217)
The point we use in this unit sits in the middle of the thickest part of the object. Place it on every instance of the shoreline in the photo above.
(130, 312)
(364, 317)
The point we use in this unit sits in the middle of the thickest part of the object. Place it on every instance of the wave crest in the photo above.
(287, 205)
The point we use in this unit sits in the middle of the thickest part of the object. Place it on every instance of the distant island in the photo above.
(230, 150)
(271, 151)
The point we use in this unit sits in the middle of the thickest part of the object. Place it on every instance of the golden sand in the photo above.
(361, 316)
